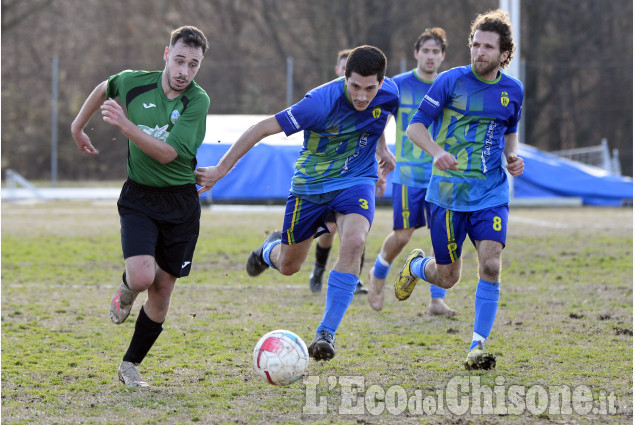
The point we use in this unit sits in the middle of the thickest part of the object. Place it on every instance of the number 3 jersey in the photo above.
(469, 118)
(339, 142)
(179, 122)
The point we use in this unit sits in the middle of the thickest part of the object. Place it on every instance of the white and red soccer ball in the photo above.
(280, 357)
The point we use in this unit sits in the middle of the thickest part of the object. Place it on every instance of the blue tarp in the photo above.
(264, 175)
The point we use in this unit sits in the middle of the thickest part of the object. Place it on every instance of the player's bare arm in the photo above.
(385, 158)
(90, 106)
(113, 114)
(421, 137)
(515, 164)
(208, 176)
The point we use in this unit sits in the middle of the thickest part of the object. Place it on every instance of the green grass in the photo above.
(565, 319)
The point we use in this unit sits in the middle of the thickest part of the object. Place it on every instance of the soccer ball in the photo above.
(280, 357)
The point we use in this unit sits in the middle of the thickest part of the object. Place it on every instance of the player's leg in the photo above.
(489, 230)
(322, 250)
(355, 209)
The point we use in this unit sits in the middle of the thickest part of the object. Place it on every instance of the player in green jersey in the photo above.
(158, 207)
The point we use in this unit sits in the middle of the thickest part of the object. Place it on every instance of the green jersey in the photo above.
(179, 122)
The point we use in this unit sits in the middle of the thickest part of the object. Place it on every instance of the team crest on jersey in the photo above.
(174, 116)
(376, 112)
(504, 98)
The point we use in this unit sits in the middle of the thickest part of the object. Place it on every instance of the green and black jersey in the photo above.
(180, 122)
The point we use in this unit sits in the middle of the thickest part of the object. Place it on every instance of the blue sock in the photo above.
(266, 252)
(418, 267)
(382, 267)
(436, 292)
(485, 307)
(339, 295)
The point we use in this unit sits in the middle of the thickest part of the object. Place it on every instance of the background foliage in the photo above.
(577, 58)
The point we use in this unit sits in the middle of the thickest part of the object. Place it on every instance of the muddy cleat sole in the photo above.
(359, 289)
(322, 346)
(478, 359)
(129, 375)
(405, 282)
(315, 282)
(121, 304)
(255, 264)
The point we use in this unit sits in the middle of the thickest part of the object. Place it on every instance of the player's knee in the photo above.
(139, 280)
(490, 269)
(289, 269)
(402, 239)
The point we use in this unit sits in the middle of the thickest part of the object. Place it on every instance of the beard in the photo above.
(173, 86)
(482, 69)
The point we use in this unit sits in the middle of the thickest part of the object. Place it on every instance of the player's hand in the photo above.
(380, 186)
(113, 114)
(83, 143)
(446, 161)
(207, 178)
(515, 165)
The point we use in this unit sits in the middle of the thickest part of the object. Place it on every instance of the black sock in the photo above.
(145, 334)
(321, 255)
(123, 278)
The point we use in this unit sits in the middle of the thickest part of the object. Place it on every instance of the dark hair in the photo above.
(191, 36)
(437, 34)
(496, 21)
(366, 60)
(342, 54)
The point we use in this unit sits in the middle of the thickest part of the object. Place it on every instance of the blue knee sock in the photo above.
(436, 292)
(266, 252)
(382, 267)
(485, 307)
(339, 295)
(418, 267)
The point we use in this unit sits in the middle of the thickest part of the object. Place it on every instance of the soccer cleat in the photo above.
(375, 291)
(405, 283)
(315, 283)
(129, 374)
(322, 346)
(359, 289)
(121, 304)
(478, 359)
(255, 264)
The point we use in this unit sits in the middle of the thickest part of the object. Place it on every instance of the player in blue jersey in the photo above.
(412, 170)
(473, 113)
(335, 175)
(325, 241)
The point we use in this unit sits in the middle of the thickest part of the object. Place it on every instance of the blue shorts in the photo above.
(409, 207)
(448, 229)
(306, 217)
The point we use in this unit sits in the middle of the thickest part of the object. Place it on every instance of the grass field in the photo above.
(565, 326)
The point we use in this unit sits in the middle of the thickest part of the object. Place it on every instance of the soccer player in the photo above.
(412, 170)
(324, 242)
(335, 174)
(158, 207)
(473, 112)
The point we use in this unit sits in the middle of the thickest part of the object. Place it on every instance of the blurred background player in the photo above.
(325, 242)
(413, 169)
(475, 110)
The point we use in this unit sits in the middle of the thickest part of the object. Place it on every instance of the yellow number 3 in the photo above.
(363, 203)
(497, 223)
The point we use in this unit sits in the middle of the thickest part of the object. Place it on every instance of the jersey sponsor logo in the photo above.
(292, 119)
(174, 116)
(376, 112)
(157, 132)
(185, 264)
(149, 105)
(430, 100)
(504, 98)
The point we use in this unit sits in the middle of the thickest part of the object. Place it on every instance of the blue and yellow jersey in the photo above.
(469, 117)
(339, 142)
(413, 167)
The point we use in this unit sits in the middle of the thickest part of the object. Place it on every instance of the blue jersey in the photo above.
(413, 166)
(469, 118)
(339, 142)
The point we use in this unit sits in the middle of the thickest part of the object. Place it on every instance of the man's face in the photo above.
(182, 62)
(340, 68)
(486, 54)
(429, 56)
(362, 90)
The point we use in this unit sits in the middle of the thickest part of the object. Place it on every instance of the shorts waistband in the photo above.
(153, 189)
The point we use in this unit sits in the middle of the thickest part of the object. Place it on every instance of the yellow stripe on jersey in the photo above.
(294, 220)
(450, 231)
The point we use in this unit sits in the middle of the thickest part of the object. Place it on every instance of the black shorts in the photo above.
(162, 222)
